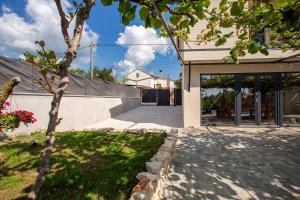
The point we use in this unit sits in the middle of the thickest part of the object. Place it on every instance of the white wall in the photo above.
(143, 79)
(77, 112)
(164, 84)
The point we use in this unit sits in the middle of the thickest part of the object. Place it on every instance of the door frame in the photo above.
(258, 104)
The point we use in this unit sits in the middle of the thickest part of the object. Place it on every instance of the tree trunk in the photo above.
(7, 89)
(50, 138)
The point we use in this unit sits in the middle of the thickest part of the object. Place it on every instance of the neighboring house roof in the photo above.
(139, 69)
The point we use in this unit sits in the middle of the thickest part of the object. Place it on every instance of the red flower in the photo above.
(11, 120)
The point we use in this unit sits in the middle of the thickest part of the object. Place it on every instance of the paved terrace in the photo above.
(236, 163)
(161, 117)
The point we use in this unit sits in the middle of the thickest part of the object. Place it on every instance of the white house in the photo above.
(141, 78)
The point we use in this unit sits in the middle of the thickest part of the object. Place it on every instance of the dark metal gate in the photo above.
(163, 97)
(177, 97)
(159, 96)
(149, 96)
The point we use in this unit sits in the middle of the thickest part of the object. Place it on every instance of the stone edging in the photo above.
(152, 181)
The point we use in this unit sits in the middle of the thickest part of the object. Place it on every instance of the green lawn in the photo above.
(85, 165)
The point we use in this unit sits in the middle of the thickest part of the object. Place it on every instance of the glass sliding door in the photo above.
(257, 99)
(267, 99)
(248, 96)
(250, 99)
(217, 99)
(291, 99)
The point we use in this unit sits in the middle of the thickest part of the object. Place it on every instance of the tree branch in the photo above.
(178, 13)
(7, 89)
(63, 22)
(82, 15)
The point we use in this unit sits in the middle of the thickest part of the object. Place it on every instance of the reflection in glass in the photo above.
(267, 88)
(217, 99)
(291, 98)
(248, 99)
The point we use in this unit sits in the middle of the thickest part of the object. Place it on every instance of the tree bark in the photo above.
(64, 64)
(50, 138)
(7, 89)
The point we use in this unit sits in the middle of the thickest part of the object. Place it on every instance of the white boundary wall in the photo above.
(77, 112)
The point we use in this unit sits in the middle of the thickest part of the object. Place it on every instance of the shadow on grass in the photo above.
(89, 165)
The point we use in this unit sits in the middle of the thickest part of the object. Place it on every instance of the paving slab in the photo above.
(160, 117)
(235, 163)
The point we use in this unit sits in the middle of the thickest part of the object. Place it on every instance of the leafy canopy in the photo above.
(250, 18)
(105, 74)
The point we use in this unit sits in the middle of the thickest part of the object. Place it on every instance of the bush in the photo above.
(11, 120)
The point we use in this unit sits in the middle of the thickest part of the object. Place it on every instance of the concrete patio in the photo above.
(235, 163)
(160, 117)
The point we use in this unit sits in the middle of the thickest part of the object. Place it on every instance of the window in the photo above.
(137, 75)
(217, 99)
(158, 86)
(291, 98)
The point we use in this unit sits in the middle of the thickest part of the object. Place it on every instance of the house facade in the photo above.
(143, 79)
(261, 90)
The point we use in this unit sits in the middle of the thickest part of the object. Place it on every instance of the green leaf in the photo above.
(243, 36)
(236, 9)
(75, 4)
(184, 24)
(144, 13)
(41, 43)
(106, 2)
(124, 6)
(131, 14)
(220, 41)
(44, 71)
(156, 23)
(226, 23)
(264, 50)
(71, 15)
(51, 54)
(174, 19)
(148, 22)
(125, 20)
(223, 3)
(253, 48)
(273, 36)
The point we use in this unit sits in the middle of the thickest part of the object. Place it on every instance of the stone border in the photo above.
(151, 182)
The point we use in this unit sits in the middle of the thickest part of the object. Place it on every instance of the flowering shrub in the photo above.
(12, 120)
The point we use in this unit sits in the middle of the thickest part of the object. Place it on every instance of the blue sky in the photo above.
(104, 23)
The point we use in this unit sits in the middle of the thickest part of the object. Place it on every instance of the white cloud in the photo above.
(141, 55)
(42, 23)
(4, 8)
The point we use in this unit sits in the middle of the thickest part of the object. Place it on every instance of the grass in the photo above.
(85, 165)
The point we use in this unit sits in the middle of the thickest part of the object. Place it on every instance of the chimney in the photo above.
(168, 80)
(160, 74)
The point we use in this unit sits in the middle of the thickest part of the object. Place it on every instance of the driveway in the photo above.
(236, 163)
(161, 117)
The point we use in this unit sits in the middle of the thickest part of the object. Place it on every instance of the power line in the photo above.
(118, 45)
(134, 44)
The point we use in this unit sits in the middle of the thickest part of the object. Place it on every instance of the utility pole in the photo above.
(116, 68)
(92, 59)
